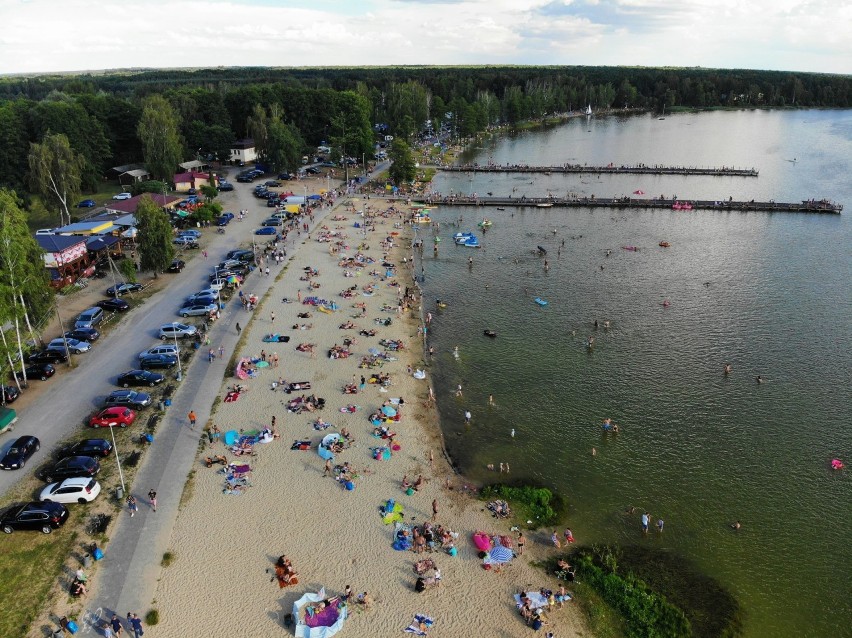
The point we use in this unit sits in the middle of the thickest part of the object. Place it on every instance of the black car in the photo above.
(71, 466)
(128, 399)
(284, 176)
(122, 289)
(245, 178)
(272, 183)
(17, 455)
(87, 447)
(83, 334)
(48, 356)
(272, 202)
(312, 170)
(116, 305)
(244, 256)
(42, 371)
(139, 377)
(223, 221)
(155, 361)
(44, 517)
(177, 265)
(8, 394)
(225, 186)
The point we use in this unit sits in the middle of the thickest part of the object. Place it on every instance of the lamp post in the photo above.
(62, 330)
(177, 356)
(117, 460)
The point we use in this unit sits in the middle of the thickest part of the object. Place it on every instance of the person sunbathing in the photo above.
(405, 482)
(418, 483)
(350, 388)
(78, 588)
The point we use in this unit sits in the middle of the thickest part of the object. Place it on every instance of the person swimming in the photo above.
(728, 368)
(736, 525)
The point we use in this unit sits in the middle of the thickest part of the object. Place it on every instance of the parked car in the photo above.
(128, 399)
(89, 318)
(266, 230)
(139, 377)
(8, 394)
(199, 298)
(115, 305)
(225, 186)
(245, 178)
(227, 263)
(176, 266)
(71, 466)
(112, 416)
(190, 232)
(48, 356)
(71, 490)
(166, 348)
(284, 176)
(312, 170)
(228, 215)
(176, 330)
(157, 361)
(244, 256)
(87, 447)
(43, 517)
(41, 371)
(74, 345)
(185, 241)
(223, 221)
(16, 457)
(121, 196)
(192, 191)
(83, 334)
(272, 183)
(197, 310)
(122, 289)
(86, 203)
(273, 221)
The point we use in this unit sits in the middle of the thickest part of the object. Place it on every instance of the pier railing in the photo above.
(805, 206)
(631, 169)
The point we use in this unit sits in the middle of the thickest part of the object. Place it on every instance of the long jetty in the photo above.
(610, 169)
(805, 206)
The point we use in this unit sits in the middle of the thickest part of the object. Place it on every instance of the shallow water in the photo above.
(768, 293)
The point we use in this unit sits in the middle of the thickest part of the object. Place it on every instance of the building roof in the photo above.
(130, 205)
(246, 142)
(192, 165)
(86, 228)
(117, 219)
(136, 172)
(99, 243)
(127, 167)
(191, 176)
(58, 243)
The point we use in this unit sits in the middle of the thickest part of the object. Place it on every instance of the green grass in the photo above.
(29, 564)
(528, 503)
(603, 620)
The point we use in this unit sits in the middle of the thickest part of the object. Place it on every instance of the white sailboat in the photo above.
(589, 109)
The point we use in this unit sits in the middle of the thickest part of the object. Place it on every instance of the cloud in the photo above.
(813, 35)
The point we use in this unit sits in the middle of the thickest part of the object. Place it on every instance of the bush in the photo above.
(168, 559)
(537, 504)
(152, 617)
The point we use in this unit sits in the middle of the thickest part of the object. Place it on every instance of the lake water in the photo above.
(767, 293)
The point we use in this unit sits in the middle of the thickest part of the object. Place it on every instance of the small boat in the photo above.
(540, 301)
(486, 223)
(633, 248)
(471, 242)
(489, 333)
(589, 109)
(542, 250)
(665, 244)
(547, 205)
(500, 208)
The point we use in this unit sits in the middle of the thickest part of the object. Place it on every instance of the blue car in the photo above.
(87, 203)
(266, 230)
(223, 221)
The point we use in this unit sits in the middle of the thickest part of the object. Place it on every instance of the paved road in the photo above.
(127, 576)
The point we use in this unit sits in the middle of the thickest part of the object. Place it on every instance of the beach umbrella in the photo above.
(231, 437)
(314, 197)
(262, 364)
(232, 279)
(499, 554)
(638, 192)
(388, 411)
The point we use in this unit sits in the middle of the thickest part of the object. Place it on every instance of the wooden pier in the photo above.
(611, 169)
(682, 205)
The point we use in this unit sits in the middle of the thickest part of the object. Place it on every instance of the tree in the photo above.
(158, 131)
(403, 168)
(149, 186)
(156, 250)
(209, 192)
(257, 125)
(127, 268)
(284, 146)
(55, 173)
(24, 289)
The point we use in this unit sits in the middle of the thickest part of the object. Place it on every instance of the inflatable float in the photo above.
(664, 244)
(836, 464)
(540, 301)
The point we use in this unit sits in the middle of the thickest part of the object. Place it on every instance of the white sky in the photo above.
(74, 35)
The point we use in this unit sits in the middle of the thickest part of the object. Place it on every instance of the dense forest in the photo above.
(289, 108)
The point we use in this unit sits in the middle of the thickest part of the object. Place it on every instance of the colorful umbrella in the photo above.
(388, 411)
(232, 279)
(638, 192)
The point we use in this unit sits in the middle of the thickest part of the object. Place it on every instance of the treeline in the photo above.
(100, 113)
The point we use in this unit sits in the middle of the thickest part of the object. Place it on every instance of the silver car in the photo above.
(160, 349)
(176, 330)
(197, 310)
(74, 345)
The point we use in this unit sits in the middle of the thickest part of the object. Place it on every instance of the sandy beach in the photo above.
(221, 581)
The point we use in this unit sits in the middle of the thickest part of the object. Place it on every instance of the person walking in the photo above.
(327, 470)
(521, 542)
(117, 627)
(272, 316)
(152, 499)
(132, 505)
(467, 417)
(239, 330)
(192, 416)
(434, 508)
(135, 625)
(221, 351)
(211, 355)
(645, 520)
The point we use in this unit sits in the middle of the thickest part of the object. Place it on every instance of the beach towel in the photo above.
(392, 515)
(231, 397)
(535, 598)
(301, 445)
(420, 623)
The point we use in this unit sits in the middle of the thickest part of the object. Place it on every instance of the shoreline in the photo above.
(333, 536)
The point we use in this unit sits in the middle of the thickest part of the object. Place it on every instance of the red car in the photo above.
(116, 415)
